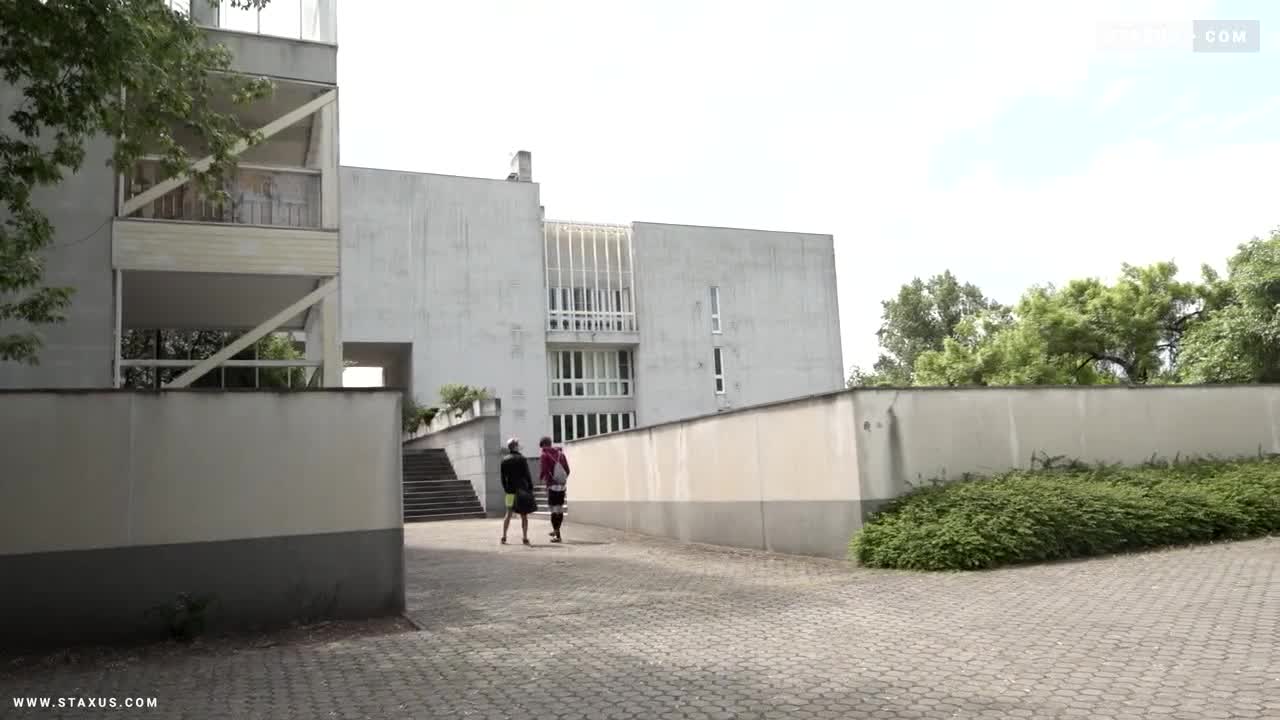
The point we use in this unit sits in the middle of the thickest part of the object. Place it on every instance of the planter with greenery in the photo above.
(1039, 515)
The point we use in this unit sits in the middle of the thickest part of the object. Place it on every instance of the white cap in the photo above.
(513, 442)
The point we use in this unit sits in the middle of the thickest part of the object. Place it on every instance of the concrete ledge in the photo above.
(816, 528)
(91, 596)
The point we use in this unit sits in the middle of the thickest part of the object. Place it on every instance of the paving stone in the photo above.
(614, 626)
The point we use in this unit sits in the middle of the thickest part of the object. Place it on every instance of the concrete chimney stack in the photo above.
(521, 167)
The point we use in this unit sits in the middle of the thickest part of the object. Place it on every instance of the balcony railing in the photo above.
(311, 20)
(589, 309)
(258, 195)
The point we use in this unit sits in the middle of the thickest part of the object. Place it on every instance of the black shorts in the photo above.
(555, 498)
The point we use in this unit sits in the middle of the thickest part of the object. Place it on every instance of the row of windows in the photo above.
(590, 373)
(577, 426)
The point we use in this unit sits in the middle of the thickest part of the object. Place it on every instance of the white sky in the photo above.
(993, 138)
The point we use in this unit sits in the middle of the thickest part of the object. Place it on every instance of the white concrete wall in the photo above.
(909, 437)
(279, 57)
(217, 248)
(782, 477)
(454, 266)
(78, 353)
(780, 320)
(801, 476)
(107, 470)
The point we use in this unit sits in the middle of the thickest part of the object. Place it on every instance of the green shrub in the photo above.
(1038, 515)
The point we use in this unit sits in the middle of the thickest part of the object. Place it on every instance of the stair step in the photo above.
(431, 489)
(425, 494)
(435, 504)
(428, 512)
(426, 486)
(437, 518)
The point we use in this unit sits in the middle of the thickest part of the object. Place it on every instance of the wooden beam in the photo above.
(328, 287)
(160, 189)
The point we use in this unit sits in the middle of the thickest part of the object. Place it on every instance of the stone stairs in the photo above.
(432, 490)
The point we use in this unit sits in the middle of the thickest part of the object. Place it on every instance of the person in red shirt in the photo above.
(554, 473)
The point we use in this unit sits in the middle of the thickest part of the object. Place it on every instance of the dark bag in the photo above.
(525, 503)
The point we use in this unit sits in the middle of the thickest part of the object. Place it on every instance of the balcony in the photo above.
(307, 20)
(257, 195)
(270, 224)
(589, 281)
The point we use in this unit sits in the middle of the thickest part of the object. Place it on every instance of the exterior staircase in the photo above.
(432, 490)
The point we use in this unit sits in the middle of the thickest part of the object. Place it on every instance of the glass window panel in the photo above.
(593, 427)
(613, 388)
(718, 362)
(626, 421)
(582, 426)
(556, 434)
(626, 388)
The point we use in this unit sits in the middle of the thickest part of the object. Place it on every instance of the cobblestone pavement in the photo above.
(608, 626)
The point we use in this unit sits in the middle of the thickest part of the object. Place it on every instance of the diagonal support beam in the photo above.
(160, 189)
(185, 379)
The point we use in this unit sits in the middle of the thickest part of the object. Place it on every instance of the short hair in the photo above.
(513, 444)
(544, 442)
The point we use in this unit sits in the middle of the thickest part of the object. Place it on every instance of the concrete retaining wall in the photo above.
(801, 476)
(908, 437)
(781, 477)
(282, 506)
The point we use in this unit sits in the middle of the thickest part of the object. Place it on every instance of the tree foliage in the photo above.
(134, 71)
(1146, 327)
(918, 320)
(1239, 337)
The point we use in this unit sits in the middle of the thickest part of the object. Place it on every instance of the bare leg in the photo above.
(506, 522)
(524, 527)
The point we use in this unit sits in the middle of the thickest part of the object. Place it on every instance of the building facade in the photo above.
(148, 253)
(579, 328)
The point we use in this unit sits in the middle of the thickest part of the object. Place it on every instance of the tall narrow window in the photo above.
(715, 310)
(718, 360)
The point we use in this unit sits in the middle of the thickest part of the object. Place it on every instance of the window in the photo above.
(590, 373)
(718, 361)
(577, 426)
(715, 310)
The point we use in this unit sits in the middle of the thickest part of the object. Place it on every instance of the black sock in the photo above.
(556, 519)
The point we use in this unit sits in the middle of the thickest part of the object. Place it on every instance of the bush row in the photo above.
(1038, 515)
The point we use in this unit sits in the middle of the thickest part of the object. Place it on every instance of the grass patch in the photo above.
(1039, 515)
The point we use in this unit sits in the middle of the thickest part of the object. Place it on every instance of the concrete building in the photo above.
(145, 251)
(580, 328)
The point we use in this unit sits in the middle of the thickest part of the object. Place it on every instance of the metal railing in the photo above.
(311, 20)
(257, 195)
(587, 321)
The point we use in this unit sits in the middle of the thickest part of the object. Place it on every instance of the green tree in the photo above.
(999, 350)
(459, 398)
(1238, 340)
(131, 70)
(920, 319)
(1130, 330)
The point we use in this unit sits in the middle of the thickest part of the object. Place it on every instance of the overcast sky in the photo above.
(1012, 141)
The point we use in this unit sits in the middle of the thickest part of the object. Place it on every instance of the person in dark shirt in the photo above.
(517, 483)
